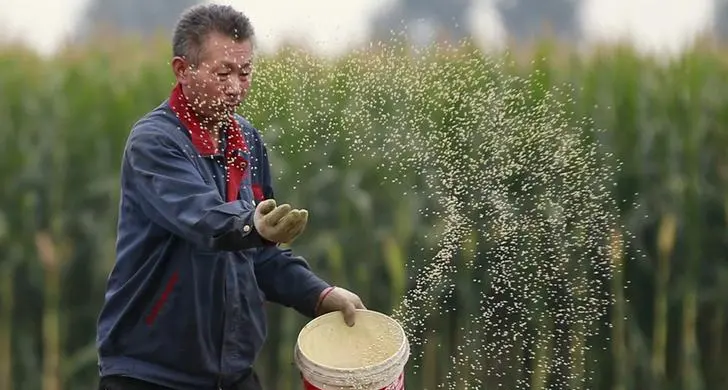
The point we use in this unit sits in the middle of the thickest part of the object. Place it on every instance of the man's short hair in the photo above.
(197, 22)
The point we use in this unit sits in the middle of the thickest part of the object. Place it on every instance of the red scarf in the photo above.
(235, 163)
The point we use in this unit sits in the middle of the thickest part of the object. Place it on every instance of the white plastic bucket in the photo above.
(371, 355)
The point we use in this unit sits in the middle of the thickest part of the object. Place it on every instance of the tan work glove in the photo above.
(339, 299)
(279, 224)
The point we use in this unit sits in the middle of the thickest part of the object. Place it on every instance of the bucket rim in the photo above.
(321, 380)
(388, 361)
(315, 374)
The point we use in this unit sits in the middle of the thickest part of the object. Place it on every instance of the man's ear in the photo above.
(181, 70)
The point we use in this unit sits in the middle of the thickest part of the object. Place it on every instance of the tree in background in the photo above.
(720, 20)
(447, 17)
(135, 17)
(525, 20)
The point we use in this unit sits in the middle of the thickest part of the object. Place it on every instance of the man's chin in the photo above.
(227, 109)
(231, 109)
(223, 112)
(219, 111)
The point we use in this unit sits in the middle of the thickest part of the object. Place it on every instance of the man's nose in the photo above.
(234, 86)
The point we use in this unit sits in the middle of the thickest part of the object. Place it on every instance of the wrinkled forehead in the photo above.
(218, 49)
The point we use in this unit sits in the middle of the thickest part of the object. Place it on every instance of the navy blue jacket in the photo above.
(184, 307)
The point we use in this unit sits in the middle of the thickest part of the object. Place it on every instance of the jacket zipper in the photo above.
(224, 324)
(222, 145)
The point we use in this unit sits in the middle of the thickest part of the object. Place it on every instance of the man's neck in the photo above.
(213, 126)
(208, 123)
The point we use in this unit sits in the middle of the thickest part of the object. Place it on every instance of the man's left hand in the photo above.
(340, 299)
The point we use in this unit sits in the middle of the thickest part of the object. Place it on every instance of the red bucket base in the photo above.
(396, 385)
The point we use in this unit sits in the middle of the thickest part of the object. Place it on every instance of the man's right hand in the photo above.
(279, 224)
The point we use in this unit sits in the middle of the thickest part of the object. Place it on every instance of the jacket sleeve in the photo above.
(172, 193)
(286, 279)
(283, 277)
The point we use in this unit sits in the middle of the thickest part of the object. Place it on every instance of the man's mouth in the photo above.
(231, 102)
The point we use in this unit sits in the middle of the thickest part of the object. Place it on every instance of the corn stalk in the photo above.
(665, 244)
(49, 257)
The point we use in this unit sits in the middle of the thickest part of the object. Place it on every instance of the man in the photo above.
(198, 234)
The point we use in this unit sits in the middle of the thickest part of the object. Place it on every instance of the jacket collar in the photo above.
(235, 162)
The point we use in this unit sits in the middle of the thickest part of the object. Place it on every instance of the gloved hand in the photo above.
(339, 299)
(279, 224)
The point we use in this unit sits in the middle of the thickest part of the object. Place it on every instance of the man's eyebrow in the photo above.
(231, 64)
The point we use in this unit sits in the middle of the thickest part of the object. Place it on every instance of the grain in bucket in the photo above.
(371, 355)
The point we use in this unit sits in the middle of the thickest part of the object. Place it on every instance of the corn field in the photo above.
(65, 121)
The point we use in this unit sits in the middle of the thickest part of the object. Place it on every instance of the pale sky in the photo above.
(652, 25)
(330, 26)
(325, 25)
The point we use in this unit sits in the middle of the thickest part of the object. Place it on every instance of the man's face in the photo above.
(221, 80)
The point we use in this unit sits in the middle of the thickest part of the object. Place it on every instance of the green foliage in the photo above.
(65, 122)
